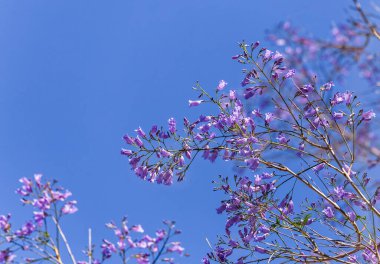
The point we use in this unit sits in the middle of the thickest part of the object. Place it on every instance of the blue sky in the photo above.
(75, 76)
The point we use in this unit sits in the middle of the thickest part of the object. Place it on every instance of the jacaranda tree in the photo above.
(304, 146)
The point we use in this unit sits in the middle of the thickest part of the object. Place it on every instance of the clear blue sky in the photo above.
(75, 76)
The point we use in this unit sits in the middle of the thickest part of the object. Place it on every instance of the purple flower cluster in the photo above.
(51, 203)
(336, 55)
(144, 250)
(303, 133)
(42, 196)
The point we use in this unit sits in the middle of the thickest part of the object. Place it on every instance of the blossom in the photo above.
(70, 208)
(289, 74)
(42, 203)
(107, 249)
(26, 229)
(6, 256)
(137, 228)
(26, 187)
(252, 163)
(175, 247)
(172, 125)
(126, 152)
(352, 216)
(282, 139)
(139, 142)
(129, 140)
(221, 85)
(4, 222)
(268, 118)
(37, 179)
(306, 88)
(232, 94)
(328, 212)
(222, 253)
(260, 250)
(267, 55)
(318, 167)
(368, 115)
(39, 217)
(205, 260)
(327, 86)
(338, 115)
(341, 97)
(195, 103)
(140, 132)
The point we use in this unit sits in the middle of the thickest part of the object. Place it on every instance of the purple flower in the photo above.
(257, 180)
(347, 169)
(56, 195)
(252, 163)
(367, 116)
(26, 187)
(107, 249)
(140, 132)
(264, 229)
(141, 171)
(282, 139)
(249, 92)
(133, 162)
(39, 217)
(318, 167)
(337, 99)
(267, 55)
(347, 97)
(165, 177)
(172, 125)
(42, 203)
(221, 85)
(232, 95)
(195, 103)
(301, 147)
(277, 55)
(286, 207)
(266, 175)
(142, 258)
(258, 238)
(37, 179)
(289, 74)
(369, 256)
(222, 253)
(268, 118)
(164, 153)
(4, 222)
(69, 208)
(175, 247)
(205, 260)
(126, 152)
(338, 115)
(307, 88)
(221, 208)
(339, 192)
(139, 142)
(129, 140)
(261, 250)
(168, 260)
(153, 130)
(6, 256)
(327, 86)
(328, 212)
(26, 230)
(137, 228)
(352, 216)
